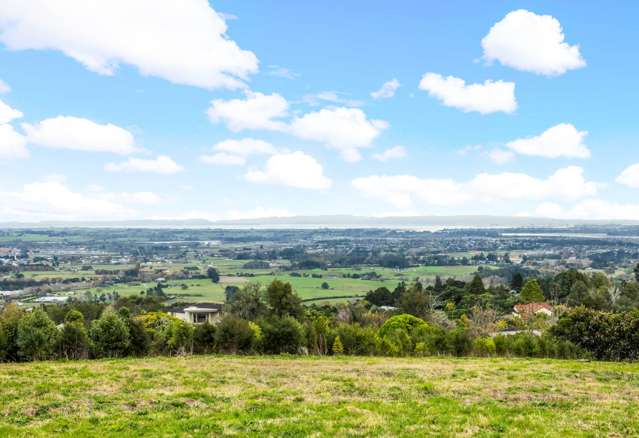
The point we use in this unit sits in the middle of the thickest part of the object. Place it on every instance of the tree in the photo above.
(415, 301)
(578, 294)
(283, 301)
(338, 348)
(74, 340)
(247, 303)
(37, 335)
(230, 292)
(517, 282)
(212, 273)
(325, 286)
(9, 319)
(531, 292)
(439, 286)
(110, 335)
(476, 286)
(139, 339)
(636, 272)
(380, 297)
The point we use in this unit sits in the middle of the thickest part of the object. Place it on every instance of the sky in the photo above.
(157, 109)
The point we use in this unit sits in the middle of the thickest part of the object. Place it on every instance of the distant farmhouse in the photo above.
(526, 310)
(197, 313)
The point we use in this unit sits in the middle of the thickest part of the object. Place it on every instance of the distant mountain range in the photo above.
(330, 221)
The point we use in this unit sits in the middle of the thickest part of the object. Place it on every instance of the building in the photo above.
(197, 313)
(530, 309)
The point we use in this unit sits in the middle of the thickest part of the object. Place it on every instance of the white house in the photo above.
(197, 313)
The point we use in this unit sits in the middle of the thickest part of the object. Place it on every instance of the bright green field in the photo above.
(334, 397)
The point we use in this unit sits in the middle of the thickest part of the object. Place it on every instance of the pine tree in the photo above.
(338, 348)
(531, 292)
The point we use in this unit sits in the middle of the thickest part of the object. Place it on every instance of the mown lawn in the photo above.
(336, 397)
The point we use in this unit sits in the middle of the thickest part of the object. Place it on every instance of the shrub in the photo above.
(180, 337)
(37, 335)
(338, 348)
(204, 338)
(74, 340)
(484, 346)
(282, 335)
(234, 335)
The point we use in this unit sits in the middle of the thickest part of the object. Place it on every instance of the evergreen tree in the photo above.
(283, 301)
(476, 286)
(212, 273)
(517, 282)
(37, 335)
(110, 335)
(531, 292)
(338, 348)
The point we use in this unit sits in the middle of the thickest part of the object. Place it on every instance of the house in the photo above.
(197, 313)
(530, 309)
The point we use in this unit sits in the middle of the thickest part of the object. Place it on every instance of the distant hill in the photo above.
(330, 221)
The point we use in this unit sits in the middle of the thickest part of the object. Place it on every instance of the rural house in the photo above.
(197, 313)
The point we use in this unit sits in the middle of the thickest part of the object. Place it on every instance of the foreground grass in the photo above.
(265, 396)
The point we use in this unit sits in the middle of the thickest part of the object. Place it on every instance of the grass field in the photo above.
(337, 397)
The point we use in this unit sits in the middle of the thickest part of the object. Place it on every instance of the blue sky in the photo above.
(147, 110)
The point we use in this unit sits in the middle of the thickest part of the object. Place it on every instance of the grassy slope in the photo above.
(262, 396)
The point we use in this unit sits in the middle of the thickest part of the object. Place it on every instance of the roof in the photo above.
(203, 307)
(532, 307)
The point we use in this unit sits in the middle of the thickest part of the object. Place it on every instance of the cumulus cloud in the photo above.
(562, 140)
(52, 199)
(162, 164)
(255, 111)
(526, 41)
(184, 41)
(331, 97)
(12, 143)
(402, 191)
(80, 134)
(387, 90)
(346, 130)
(630, 176)
(4, 87)
(7, 114)
(235, 152)
(295, 169)
(486, 98)
(391, 154)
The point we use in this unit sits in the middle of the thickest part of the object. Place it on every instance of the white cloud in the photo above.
(402, 191)
(526, 41)
(8, 114)
(162, 164)
(79, 134)
(256, 213)
(562, 140)
(182, 41)
(12, 143)
(334, 97)
(256, 111)
(346, 130)
(591, 209)
(235, 152)
(4, 87)
(295, 169)
(223, 159)
(630, 176)
(391, 154)
(486, 98)
(281, 72)
(387, 90)
(51, 199)
(501, 156)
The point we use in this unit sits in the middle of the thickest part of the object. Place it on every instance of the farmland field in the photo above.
(345, 396)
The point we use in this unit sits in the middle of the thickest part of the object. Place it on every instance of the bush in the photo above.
(459, 342)
(282, 335)
(110, 335)
(204, 338)
(484, 347)
(180, 337)
(37, 336)
(234, 335)
(139, 339)
(338, 348)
